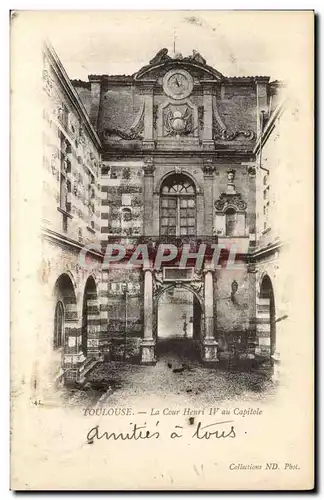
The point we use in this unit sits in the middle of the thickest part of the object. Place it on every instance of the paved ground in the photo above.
(170, 379)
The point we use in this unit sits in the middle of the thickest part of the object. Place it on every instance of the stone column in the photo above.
(148, 170)
(208, 169)
(209, 353)
(148, 342)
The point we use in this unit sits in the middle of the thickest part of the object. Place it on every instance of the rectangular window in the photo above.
(176, 273)
(126, 199)
(168, 220)
(177, 216)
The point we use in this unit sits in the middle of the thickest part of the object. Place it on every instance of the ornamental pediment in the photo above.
(163, 62)
(228, 200)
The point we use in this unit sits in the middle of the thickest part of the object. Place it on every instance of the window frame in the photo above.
(231, 211)
(178, 187)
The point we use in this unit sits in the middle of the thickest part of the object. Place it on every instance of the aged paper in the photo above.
(162, 181)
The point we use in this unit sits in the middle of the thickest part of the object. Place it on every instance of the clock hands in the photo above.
(177, 84)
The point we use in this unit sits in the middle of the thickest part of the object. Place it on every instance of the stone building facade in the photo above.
(176, 154)
(180, 166)
(277, 180)
(70, 219)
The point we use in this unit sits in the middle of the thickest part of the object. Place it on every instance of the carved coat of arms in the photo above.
(177, 122)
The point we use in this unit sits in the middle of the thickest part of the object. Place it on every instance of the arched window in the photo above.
(58, 326)
(230, 221)
(178, 206)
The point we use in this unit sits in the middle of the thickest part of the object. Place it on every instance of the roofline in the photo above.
(263, 137)
(129, 80)
(72, 93)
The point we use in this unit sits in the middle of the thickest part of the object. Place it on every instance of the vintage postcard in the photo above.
(162, 184)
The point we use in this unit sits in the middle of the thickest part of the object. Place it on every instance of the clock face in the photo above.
(178, 84)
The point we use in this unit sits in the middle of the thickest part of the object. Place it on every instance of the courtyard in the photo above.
(118, 383)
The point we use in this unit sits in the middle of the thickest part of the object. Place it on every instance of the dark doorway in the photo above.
(178, 325)
(90, 295)
(65, 311)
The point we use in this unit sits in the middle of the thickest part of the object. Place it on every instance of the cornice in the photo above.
(262, 252)
(64, 240)
(111, 153)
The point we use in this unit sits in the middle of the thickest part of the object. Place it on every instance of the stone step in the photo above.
(87, 368)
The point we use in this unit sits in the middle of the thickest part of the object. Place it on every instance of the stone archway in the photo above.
(178, 322)
(202, 289)
(66, 327)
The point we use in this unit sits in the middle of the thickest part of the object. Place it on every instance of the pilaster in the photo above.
(148, 170)
(146, 90)
(209, 345)
(148, 342)
(208, 90)
(208, 169)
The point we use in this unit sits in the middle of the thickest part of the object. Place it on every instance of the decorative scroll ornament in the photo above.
(134, 131)
(225, 136)
(220, 131)
(230, 200)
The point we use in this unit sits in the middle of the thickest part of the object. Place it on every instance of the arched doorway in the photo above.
(179, 323)
(90, 314)
(58, 340)
(269, 312)
(64, 318)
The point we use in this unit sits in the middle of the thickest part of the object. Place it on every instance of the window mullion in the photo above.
(178, 217)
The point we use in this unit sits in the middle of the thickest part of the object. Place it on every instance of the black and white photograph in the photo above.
(172, 180)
